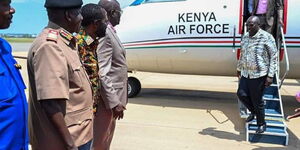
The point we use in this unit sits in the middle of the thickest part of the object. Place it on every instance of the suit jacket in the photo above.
(112, 69)
(275, 9)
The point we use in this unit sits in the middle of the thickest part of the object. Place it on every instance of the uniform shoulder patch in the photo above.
(52, 35)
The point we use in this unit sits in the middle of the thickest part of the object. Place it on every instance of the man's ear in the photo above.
(68, 16)
(94, 26)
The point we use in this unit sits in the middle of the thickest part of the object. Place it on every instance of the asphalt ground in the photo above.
(189, 112)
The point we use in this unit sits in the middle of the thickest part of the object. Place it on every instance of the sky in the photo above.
(31, 16)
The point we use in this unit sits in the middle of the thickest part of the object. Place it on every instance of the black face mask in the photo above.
(101, 30)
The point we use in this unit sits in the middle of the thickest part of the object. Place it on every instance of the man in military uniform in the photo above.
(113, 79)
(60, 92)
(13, 104)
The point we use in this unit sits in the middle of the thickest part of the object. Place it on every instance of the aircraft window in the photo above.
(138, 2)
(155, 1)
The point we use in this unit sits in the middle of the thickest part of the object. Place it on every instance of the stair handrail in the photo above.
(287, 69)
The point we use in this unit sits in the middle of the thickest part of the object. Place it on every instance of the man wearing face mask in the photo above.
(60, 93)
(113, 79)
(256, 69)
(13, 104)
(93, 28)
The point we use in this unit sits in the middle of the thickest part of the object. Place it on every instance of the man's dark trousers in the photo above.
(250, 93)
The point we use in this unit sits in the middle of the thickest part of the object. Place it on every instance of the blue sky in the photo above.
(31, 16)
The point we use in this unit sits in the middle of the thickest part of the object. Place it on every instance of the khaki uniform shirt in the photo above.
(55, 72)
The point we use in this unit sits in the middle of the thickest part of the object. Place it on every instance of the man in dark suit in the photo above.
(113, 79)
(270, 13)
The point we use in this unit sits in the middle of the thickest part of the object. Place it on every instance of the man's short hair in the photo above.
(108, 5)
(90, 13)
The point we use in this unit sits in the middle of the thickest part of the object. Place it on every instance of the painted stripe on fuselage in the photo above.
(177, 46)
(198, 42)
(181, 42)
(186, 46)
(185, 38)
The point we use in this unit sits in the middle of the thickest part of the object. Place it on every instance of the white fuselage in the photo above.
(194, 36)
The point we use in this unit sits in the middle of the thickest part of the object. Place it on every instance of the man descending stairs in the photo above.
(257, 69)
(276, 128)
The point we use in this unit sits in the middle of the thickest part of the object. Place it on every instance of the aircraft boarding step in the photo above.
(276, 131)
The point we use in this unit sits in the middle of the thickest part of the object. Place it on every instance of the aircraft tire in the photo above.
(134, 87)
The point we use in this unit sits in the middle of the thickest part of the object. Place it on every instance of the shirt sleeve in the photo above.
(51, 72)
(239, 63)
(273, 56)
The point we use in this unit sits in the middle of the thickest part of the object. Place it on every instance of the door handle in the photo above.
(183, 51)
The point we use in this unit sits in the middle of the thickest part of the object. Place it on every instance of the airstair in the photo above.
(276, 131)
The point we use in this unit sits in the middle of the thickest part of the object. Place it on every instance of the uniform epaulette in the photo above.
(66, 35)
(52, 35)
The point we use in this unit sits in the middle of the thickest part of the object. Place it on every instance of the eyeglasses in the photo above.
(119, 11)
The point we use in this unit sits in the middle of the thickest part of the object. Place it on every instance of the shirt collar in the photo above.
(83, 35)
(67, 37)
(112, 27)
(5, 46)
(1, 43)
(255, 35)
(53, 25)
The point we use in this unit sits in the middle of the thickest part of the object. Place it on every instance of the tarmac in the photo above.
(191, 112)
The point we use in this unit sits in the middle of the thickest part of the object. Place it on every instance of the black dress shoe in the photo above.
(250, 118)
(261, 129)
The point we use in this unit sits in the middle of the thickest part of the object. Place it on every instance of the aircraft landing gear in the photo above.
(134, 87)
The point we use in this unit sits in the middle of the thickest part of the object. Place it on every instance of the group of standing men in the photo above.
(77, 84)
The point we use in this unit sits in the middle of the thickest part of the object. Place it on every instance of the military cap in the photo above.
(63, 3)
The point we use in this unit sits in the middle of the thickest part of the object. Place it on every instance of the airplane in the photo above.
(197, 37)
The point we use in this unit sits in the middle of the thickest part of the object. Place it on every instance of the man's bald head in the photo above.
(253, 23)
(254, 19)
(113, 10)
(109, 5)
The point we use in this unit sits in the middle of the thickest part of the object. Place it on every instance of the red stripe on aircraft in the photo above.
(285, 15)
(293, 42)
(241, 17)
(181, 42)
